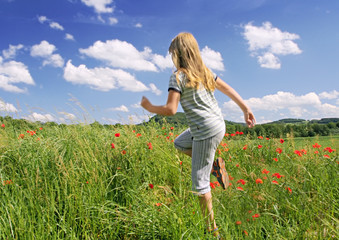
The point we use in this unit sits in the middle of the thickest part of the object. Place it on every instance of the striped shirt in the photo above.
(202, 112)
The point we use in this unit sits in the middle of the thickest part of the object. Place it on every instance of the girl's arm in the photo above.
(231, 93)
(170, 108)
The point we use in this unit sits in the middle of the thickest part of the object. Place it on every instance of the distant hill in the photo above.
(180, 119)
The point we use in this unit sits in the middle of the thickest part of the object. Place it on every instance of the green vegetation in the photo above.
(129, 182)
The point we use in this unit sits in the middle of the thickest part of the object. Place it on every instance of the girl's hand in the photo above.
(145, 103)
(249, 119)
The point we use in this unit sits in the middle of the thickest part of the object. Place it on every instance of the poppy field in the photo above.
(129, 182)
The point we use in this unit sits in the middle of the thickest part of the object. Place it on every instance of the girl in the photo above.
(193, 84)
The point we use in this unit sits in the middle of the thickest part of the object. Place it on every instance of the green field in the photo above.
(129, 182)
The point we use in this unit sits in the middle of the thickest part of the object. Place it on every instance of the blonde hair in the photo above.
(187, 59)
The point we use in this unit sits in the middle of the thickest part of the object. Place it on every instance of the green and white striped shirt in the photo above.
(201, 108)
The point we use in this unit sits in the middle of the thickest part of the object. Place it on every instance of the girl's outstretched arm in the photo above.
(231, 93)
(170, 108)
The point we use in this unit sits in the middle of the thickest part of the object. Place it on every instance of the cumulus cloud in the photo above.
(266, 42)
(329, 95)
(46, 51)
(212, 59)
(284, 104)
(154, 89)
(102, 79)
(121, 54)
(12, 73)
(112, 21)
(100, 6)
(122, 108)
(34, 117)
(52, 24)
(7, 107)
(138, 25)
(162, 62)
(69, 37)
(11, 51)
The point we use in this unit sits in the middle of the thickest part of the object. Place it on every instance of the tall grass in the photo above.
(68, 182)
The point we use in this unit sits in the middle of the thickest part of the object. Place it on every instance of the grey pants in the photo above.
(203, 153)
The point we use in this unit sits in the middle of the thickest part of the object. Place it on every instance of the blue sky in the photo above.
(72, 61)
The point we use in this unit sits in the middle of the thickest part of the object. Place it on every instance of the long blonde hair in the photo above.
(187, 59)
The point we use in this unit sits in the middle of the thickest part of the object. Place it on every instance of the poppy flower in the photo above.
(158, 204)
(275, 182)
(123, 152)
(256, 215)
(259, 146)
(232, 134)
(112, 145)
(245, 147)
(242, 181)
(316, 152)
(289, 189)
(259, 181)
(265, 171)
(316, 145)
(117, 134)
(3, 125)
(238, 222)
(150, 146)
(275, 159)
(172, 128)
(326, 156)
(245, 232)
(240, 189)
(216, 183)
(298, 153)
(138, 135)
(212, 185)
(260, 137)
(21, 136)
(282, 140)
(279, 150)
(329, 149)
(151, 186)
(277, 175)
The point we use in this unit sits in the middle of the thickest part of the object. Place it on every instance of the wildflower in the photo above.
(316, 152)
(316, 145)
(112, 145)
(267, 138)
(212, 185)
(123, 152)
(275, 182)
(279, 150)
(117, 134)
(326, 156)
(275, 159)
(329, 149)
(216, 183)
(150, 146)
(226, 134)
(256, 215)
(240, 189)
(242, 181)
(151, 186)
(21, 136)
(303, 151)
(87, 182)
(232, 134)
(237, 165)
(180, 162)
(289, 189)
(245, 232)
(172, 128)
(138, 135)
(265, 171)
(259, 146)
(277, 175)
(238, 222)
(282, 140)
(230, 177)
(245, 147)
(260, 137)
(264, 177)
(40, 128)
(7, 182)
(3, 125)
(259, 181)
(298, 153)
(158, 204)
(241, 133)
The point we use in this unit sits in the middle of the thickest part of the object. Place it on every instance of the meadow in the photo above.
(129, 182)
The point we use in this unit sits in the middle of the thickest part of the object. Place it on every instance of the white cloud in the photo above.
(120, 54)
(66, 117)
(329, 95)
(100, 6)
(284, 104)
(212, 59)
(69, 37)
(42, 19)
(162, 62)
(154, 89)
(7, 107)
(267, 42)
(12, 51)
(138, 25)
(34, 117)
(56, 26)
(45, 50)
(136, 105)
(12, 73)
(112, 21)
(122, 108)
(136, 119)
(102, 79)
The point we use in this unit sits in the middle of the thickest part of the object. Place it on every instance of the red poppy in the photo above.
(259, 146)
(329, 149)
(158, 204)
(316, 152)
(316, 145)
(150, 146)
(240, 189)
(232, 134)
(260, 137)
(245, 232)
(298, 153)
(242, 181)
(112, 145)
(117, 135)
(282, 141)
(279, 150)
(138, 135)
(216, 183)
(259, 181)
(238, 222)
(151, 186)
(289, 189)
(275, 182)
(3, 125)
(275, 159)
(245, 147)
(172, 128)
(277, 175)
(265, 171)
(123, 152)
(256, 215)
(212, 185)
(21, 135)
(326, 156)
